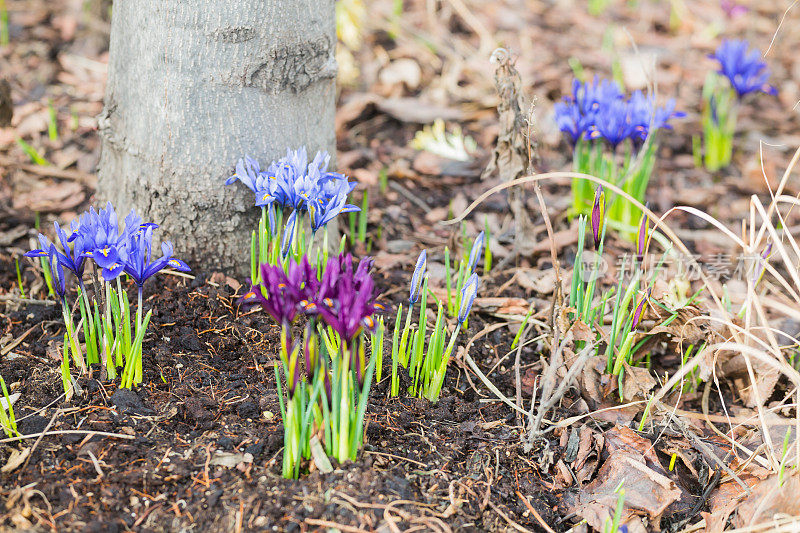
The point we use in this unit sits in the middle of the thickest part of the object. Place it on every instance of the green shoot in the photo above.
(52, 123)
(362, 217)
(383, 180)
(19, 278)
(377, 348)
(31, 152)
(522, 326)
(720, 110)
(74, 119)
(487, 254)
(65, 376)
(784, 454)
(7, 419)
(613, 526)
(426, 356)
(4, 33)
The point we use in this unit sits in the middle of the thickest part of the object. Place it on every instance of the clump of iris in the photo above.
(327, 374)
(96, 240)
(741, 72)
(291, 189)
(613, 137)
(595, 306)
(426, 363)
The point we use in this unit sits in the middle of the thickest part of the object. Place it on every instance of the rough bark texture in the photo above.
(192, 86)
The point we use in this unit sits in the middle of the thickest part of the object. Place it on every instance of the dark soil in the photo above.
(211, 394)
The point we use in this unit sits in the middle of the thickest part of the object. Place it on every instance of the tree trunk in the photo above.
(193, 86)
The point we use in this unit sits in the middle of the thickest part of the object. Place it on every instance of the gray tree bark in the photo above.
(193, 85)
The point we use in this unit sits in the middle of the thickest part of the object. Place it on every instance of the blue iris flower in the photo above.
(599, 109)
(570, 121)
(330, 201)
(57, 272)
(744, 69)
(72, 258)
(468, 294)
(646, 116)
(295, 183)
(102, 240)
(614, 123)
(139, 265)
(263, 184)
(577, 115)
(418, 277)
(475, 253)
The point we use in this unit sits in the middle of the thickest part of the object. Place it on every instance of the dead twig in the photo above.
(16, 342)
(535, 513)
(17, 299)
(548, 399)
(68, 432)
(499, 511)
(41, 436)
(334, 525)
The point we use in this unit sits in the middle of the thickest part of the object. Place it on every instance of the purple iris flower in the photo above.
(640, 308)
(284, 294)
(347, 297)
(139, 265)
(744, 69)
(347, 301)
(72, 258)
(598, 215)
(732, 9)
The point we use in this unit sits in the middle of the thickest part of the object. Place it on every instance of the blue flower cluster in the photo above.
(600, 110)
(292, 182)
(96, 235)
(744, 69)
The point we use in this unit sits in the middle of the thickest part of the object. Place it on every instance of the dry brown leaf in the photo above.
(647, 493)
(54, 198)
(625, 439)
(403, 70)
(588, 457)
(428, 163)
(770, 497)
(500, 305)
(724, 500)
(15, 460)
(636, 383)
(561, 239)
(540, 281)
(385, 261)
(590, 380)
(734, 367)
(417, 111)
